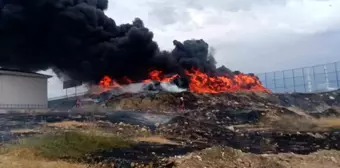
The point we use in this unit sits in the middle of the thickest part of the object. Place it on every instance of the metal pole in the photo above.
(66, 92)
(274, 80)
(304, 79)
(337, 75)
(326, 77)
(75, 90)
(265, 79)
(293, 80)
(284, 80)
(313, 82)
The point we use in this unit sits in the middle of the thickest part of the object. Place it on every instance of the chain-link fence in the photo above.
(316, 78)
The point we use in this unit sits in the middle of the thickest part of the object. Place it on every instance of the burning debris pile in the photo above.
(154, 83)
(199, 82)
(76, 39)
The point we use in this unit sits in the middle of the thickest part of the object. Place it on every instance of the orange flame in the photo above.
(199, 82)
(107, 83)
(156, 75)
(202, 83)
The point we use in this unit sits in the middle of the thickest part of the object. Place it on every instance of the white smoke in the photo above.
(151, 87)
(133, 88)
(172, 87)
(137, 88)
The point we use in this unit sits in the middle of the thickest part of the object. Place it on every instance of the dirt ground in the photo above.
(215, 157)
(17, 162)
(218, 157)
(231, 130)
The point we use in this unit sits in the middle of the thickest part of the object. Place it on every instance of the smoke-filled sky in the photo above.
(248, 35)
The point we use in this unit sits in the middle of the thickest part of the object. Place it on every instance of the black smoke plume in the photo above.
(75, 38)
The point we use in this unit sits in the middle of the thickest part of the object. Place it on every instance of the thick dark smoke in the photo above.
(75, 38)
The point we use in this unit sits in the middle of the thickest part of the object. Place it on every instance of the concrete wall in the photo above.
(22, 92)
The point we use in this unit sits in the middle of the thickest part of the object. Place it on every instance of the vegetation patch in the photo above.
(155, 139)
(72, 145)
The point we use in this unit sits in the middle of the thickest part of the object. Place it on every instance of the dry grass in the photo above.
(330, 123)
(30, 158)
(24, 131)
(219, 157)
(71, 145)
(71, 124)
(16, 162)
(228, 154)
(155, 139)
(290, 123)
(61, 149)
(58, 150)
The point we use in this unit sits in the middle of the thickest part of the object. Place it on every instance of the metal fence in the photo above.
(23, 106)
(67, 96)
(316, 78)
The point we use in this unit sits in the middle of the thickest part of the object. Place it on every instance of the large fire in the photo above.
(199, 82)
(107, 83)
(202, 83)
(156, 75)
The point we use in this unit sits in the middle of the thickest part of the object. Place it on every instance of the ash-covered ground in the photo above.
(250, 122)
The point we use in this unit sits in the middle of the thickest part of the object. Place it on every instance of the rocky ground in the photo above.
(244, 129)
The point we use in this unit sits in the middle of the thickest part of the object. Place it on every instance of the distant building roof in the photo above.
(22, 73)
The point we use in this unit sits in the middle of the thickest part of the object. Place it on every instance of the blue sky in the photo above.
(248, 35)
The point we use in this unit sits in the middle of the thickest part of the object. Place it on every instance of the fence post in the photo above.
(274, 81)
(313, 82)
(293, 72)
(337, 75)
(265, 79)
(304, 79)
(326, 76)
(284, 80)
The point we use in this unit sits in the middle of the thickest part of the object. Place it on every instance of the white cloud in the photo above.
(257, 36)
(248, 35)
